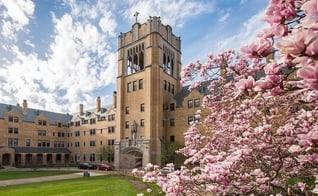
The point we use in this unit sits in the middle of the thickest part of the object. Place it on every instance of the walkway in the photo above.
(50, 178)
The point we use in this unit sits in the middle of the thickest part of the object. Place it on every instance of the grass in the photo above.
(108, 185)
(9, 175)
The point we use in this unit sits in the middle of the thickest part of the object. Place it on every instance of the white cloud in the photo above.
(78, 61)
(172, 12)
(245, 35)
(15, 16)
(224, 17)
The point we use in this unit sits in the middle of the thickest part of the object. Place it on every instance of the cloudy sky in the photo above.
(57, 54)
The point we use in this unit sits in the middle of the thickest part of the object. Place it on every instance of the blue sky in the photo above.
(57, 54)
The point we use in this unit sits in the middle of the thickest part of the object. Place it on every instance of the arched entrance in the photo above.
(6, 159)
(39, 159)
(49, 159)
(17, 159)
(131, 157)
(28, 159)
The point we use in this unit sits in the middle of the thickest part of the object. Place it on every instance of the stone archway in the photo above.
(18, 159)
(131, 157)
(6, 157)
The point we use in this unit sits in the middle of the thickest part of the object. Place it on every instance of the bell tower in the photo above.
(149, 63)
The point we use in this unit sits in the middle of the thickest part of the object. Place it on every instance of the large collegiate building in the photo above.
(150, 109)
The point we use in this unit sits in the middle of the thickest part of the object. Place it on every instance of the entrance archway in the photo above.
(131, 157)
(6, 159)
(17, 159)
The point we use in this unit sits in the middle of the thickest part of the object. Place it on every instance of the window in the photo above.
(128, 87)
(13, 119)
(127, 125)
(92, 131)
(77, 133)
(172, 138)
(41, 133)
(142, 107)
(13, 142)
(42, 122)
(164, 85)
(111, 129)
(59, 124)
(172, 89)
(58, 144)
(92, 143)
(60, 134)
(190, 119)
(141, 84)
(197, 102)
(111, 117)
(190, 103)
(111, 142)
(92, 157)
(169, 87)
(127, 110)
(134, 85)
(77, 144)
(92, 121)
(171, 122)
(171, 106)
(28, 142)
(43, 143)
(142, 122)
(13, 130)
(77, 123)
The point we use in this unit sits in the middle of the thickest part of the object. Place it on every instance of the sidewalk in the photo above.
(47, 178)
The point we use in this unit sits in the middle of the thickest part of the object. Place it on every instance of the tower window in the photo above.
(142, 122)
(142, 107)
(127, 110)
(128, 87)
(141, 84)
(134, 85)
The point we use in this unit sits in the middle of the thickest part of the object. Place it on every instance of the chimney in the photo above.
(18, 105)
(98, 105)
(115, 99)
(24, 107)
(81, 108)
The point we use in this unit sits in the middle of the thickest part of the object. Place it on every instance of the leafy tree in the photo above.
(169, 154)
(106, 153)
(261, 136)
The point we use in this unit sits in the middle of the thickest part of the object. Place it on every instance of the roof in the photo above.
(53, 117)
(40, 150)
(184, 92)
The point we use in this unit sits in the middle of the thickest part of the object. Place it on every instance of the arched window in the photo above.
(141, 60)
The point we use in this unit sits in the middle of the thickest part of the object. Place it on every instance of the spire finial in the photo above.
(136, 16)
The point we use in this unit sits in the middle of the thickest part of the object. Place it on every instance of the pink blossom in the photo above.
(310, 75)
(311, 41)
(245, 84)
(301, 186)
(293, 44)
(259, 48)
(294, 148)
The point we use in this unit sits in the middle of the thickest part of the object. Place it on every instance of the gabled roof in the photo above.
(184, 92)
(88, 113)
(53, 117)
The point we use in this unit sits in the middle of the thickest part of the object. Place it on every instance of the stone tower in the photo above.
(149, 63)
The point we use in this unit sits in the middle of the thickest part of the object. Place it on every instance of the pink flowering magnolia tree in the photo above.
(261, 134)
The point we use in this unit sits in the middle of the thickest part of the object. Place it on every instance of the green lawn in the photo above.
(8, 175)
(108, 185)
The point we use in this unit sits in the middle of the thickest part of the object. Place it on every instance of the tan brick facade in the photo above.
(150, 109)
